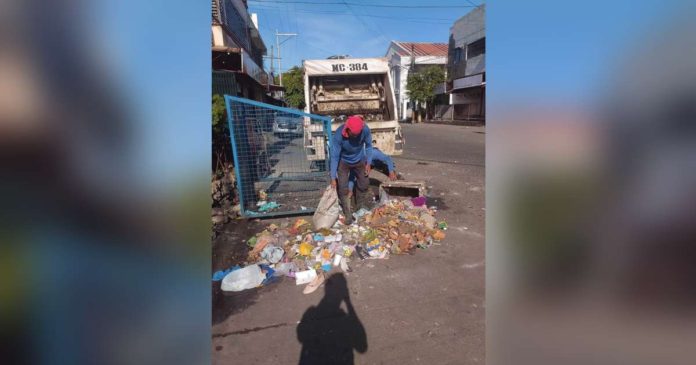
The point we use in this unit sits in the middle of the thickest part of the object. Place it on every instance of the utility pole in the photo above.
(271, 58)
(278, 43)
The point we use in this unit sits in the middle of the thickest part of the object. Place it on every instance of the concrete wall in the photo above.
(463, 32)
(466, 77)
(470, 27)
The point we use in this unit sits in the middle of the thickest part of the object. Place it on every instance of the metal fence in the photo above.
(272, 146)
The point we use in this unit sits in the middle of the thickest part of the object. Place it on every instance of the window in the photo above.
(458, 55)
(476, 48)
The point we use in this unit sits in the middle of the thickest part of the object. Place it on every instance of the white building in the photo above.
(400, 55)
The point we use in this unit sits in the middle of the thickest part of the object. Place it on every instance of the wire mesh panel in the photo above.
(275, 155)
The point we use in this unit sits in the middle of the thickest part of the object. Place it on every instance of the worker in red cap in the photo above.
(351, 150)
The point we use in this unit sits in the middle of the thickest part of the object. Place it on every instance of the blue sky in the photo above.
(356, 29)
(565, 52)
(161, 62)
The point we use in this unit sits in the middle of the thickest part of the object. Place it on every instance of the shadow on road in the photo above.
(329, 334)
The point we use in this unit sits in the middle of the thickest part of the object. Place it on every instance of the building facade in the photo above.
(405, 57)
(237, 53)
(466, 67)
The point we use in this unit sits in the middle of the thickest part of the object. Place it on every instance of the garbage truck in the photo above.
(341, 87)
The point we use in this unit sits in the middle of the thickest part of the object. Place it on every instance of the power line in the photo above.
(309, 11)
(410, 20)
(367, 5)
(376, 24)
(384, 37)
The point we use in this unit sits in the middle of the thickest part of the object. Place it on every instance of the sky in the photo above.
(564, 52)
(354, 27)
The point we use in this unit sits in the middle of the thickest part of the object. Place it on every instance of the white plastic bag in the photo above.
(304, 277)
(245, 278)
(328, 210)
(383, 196)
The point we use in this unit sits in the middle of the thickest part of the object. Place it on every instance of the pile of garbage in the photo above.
(302, 252)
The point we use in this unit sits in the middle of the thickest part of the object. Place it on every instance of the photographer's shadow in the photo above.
(328, 333)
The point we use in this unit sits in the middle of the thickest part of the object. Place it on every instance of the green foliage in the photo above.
(222, 151)
(420, 84)
(293, 81)
(219, 113)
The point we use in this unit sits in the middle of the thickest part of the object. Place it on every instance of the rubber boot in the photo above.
(347, 211)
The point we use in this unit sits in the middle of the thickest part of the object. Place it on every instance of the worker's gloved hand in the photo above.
(392, 176)
(368, 168)
(333, 183)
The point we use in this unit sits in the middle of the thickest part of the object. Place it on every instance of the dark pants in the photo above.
(362, 183)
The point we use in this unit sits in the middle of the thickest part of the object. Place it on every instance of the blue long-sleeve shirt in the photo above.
(350, 150)
(377, 156)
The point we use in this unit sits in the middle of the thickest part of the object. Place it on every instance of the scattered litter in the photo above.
(269, 206)
(333, 238)
(302, 207)
(360, 213)
(219, 275)
(306, 249)
(383, 196)
(419, 201)
(344, 265)
(270, 274)
(263, 239)
(272, 254)
(284, 269)
(314, 284)
(304, 277)
(428, 220)
(263, 195)
(307, 252)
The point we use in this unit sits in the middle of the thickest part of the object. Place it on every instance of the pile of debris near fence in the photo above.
(296, 250)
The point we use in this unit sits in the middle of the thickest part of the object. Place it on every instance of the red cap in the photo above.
(354, 124)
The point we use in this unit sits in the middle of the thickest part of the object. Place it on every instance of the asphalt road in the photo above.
(427, 308)
(445, 143)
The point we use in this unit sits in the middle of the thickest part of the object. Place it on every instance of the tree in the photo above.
(420, 86)
(293, 81)
(219, 114)
(221, 135)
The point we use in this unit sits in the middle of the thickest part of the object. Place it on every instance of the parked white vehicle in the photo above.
(287, 125)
